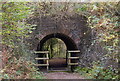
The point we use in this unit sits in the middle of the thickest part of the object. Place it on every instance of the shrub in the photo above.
(97, 71)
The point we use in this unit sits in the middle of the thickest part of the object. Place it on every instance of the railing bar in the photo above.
(41, 58)
(45, 52)
(74, 51)
(41, 64)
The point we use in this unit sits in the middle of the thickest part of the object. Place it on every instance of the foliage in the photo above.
(15, 50)
(19, 69)
(56, 47)
(14, 27)
(103, 19)
(97, 71)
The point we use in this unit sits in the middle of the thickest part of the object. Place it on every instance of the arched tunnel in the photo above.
(58, 63)
(74, 32)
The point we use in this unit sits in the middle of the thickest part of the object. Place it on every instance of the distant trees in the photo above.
(56, 47)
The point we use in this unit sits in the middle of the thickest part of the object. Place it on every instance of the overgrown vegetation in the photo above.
(98, 71)
(16, 59)
(103, 18)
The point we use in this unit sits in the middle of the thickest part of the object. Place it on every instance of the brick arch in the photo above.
(74, 27)
(69, 42)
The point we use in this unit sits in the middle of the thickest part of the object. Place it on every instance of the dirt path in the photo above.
(62, 75)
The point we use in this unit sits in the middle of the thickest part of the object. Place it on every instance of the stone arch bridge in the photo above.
(72, 29)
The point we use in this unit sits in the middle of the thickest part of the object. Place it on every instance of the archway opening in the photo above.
(57, 44)
(57, 53)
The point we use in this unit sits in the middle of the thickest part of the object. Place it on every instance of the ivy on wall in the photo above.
(103, 18)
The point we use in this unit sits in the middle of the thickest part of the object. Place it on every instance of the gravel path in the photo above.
(62, 75)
